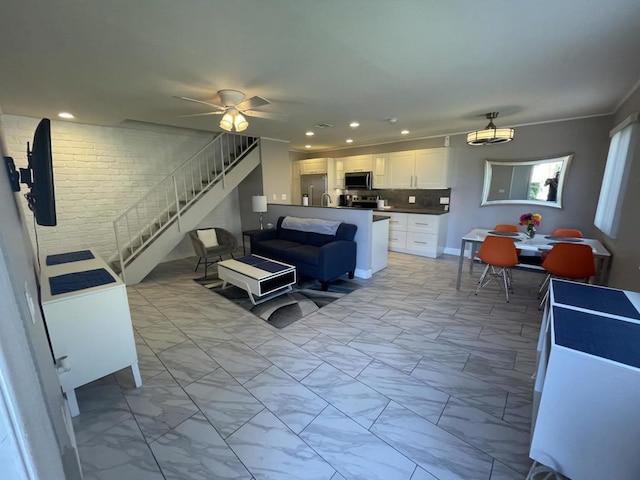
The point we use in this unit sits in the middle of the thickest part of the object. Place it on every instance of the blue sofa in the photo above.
(317, 255)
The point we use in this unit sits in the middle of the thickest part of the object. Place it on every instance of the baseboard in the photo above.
(363, 273)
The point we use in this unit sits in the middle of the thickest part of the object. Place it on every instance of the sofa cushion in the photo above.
(292, 235)
(275, 247)
(308, 254)
(318, 239)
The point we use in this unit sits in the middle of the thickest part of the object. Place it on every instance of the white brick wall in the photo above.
(99, 172)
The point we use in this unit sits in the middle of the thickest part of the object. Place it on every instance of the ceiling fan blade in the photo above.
(267, 115)
(253, 102)
(219, 107)
(200, 114)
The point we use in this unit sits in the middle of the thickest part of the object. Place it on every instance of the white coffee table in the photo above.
(261, 277)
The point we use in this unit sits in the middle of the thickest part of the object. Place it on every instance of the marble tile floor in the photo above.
(406, 378)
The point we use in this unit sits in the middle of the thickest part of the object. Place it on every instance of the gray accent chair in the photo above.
(227, 244)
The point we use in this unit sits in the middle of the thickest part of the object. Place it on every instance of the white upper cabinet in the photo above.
(313, 165)
(402, 166)
(432, 167)
(419, 169)
(358, 163)
(380, 165)
(337, 179)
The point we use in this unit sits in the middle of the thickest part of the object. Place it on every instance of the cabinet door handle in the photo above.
(425, 224)
(416, 181)
(422, 243)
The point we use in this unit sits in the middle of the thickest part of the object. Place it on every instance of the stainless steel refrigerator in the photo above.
(313, 186)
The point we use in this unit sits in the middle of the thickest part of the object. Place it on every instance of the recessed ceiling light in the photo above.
(349, 140)
(65, 115)
(309, 133)
(354, 124)
(307, 146)
(404, 132)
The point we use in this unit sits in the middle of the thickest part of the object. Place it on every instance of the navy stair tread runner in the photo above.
(69, 257)
(596, 335)
(72, 282)
(605, 300)
(262, 264)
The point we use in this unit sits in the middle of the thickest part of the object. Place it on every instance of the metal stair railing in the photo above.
(164, 204)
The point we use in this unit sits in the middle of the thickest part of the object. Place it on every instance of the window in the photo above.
(616, 173)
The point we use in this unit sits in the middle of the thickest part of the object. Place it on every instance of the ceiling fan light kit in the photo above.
(491, 134)
(233, 119)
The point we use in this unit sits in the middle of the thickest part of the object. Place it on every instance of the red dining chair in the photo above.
(569, 260)
(503, 227)
(567, 232)
(497, 253)
(558, 232)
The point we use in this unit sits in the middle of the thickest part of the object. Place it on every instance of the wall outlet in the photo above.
(275, 197)
(444, 200)
(284, 196)
(412, 199)
(447, 141)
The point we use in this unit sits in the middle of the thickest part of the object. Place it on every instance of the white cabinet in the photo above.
(90, 329)
(432, 168)
(296, 194)
(427, 168)
(312, 166)
(380, 164)
(418, 234)
(587, 383)
(398, 231)
(402, 167)
(379, 244)
(358, 163)
(337, 179)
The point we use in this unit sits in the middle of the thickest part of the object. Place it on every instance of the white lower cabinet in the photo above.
(418, 234)
(89, 328)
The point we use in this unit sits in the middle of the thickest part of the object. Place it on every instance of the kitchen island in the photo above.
(368, 238)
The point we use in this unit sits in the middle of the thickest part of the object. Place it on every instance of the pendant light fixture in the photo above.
(490, 134)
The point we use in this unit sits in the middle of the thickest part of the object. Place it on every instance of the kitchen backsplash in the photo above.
(400, 197)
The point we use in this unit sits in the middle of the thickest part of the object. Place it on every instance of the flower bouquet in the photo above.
(531, 221)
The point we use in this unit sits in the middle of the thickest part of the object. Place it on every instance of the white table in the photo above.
(260, 277)
(586, 420)
(89, 329)
(537, 244)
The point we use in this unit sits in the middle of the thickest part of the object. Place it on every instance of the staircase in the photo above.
(152, 227)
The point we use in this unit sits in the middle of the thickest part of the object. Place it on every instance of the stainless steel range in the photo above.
(365, 202)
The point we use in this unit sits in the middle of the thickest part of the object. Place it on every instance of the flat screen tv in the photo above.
(39, 176)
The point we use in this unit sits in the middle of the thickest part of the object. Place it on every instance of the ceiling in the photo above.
(436, 66)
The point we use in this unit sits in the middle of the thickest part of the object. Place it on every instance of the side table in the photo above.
(246, 240)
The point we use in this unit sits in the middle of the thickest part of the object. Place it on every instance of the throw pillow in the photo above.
(208, 237)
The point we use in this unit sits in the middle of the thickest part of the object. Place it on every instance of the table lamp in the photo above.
(259, 205)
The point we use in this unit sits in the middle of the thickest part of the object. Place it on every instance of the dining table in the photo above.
(534, 246)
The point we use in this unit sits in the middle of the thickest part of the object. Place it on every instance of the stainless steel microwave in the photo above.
(358, 180)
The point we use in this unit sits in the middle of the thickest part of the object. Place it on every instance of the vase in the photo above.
(531, 231)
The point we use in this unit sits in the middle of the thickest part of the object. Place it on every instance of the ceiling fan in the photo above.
(233, 109)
